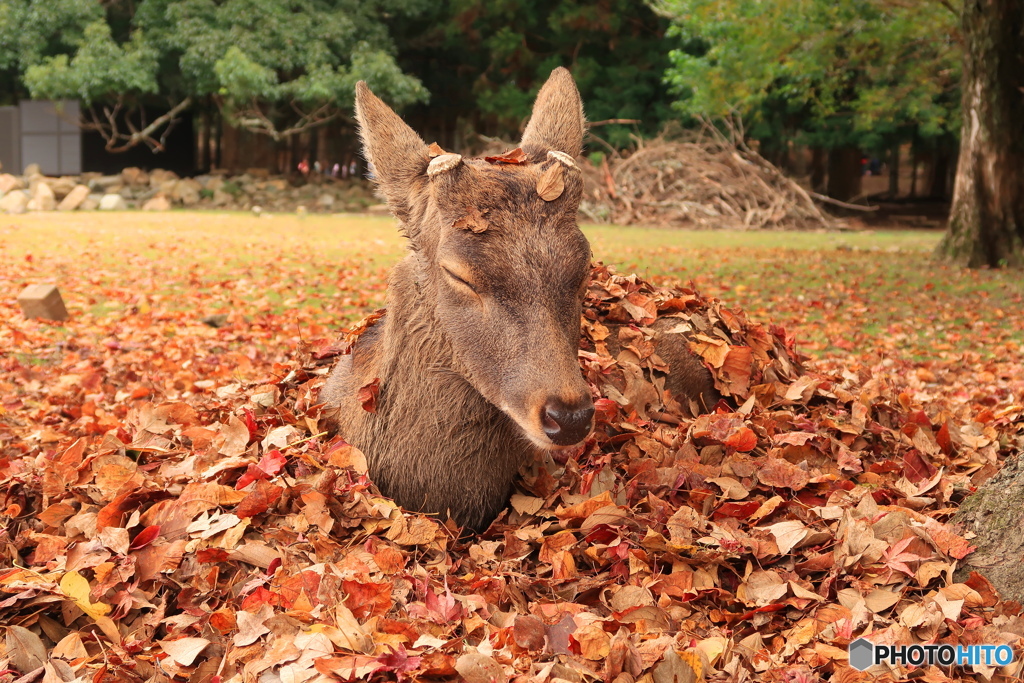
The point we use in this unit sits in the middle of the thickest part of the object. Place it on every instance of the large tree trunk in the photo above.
(986, 222)
(995, 515)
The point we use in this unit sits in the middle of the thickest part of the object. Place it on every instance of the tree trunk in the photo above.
(915, 161)
(995, 514)
(844, 173)
(937, 188)
(817, 169)
(894, 171)
(986, 222)
(203, 141)
(217, 140)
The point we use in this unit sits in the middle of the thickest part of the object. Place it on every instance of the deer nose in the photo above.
(567, 425)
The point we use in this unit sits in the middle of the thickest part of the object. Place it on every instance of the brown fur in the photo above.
(466, 373)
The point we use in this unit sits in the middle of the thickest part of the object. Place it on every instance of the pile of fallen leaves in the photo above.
(221, 535)
(705, 183)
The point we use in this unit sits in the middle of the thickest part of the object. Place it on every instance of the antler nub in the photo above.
(445, 162)
(562, 157)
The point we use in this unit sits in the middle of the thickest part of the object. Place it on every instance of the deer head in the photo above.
(500, 260)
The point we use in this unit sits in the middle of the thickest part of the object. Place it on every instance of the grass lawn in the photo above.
(872, 292)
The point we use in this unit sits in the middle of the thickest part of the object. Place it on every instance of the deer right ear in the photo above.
(557, 122)
(398, 155)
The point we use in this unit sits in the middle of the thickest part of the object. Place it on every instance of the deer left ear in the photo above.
(398, 155)
(557, 123)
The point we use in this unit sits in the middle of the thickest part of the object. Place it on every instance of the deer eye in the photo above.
(458, 279)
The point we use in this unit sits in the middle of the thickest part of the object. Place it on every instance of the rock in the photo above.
(279, 184)
(113, 202)
(159, 176)
(74, 199)
(9, 182)
(42, 198)
(186, 191)
(325, 201)
(111, 183)
(214, 183)
(42, 301)
(15, 201)
(31, 170)
(91, 203)
(261, 173)
(134, 177)
(221, 198)
(63, 185)
(158, 203)
(378, 208)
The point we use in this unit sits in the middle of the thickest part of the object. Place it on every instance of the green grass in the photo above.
(838, 291)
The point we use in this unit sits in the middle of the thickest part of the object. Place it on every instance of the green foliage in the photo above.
(100, 68)
(486, 59)
(281, 51)
(32, 30)
(269, 64)
(841, 71)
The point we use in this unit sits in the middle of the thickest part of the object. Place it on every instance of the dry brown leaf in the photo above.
(552, 182)
(184, 650)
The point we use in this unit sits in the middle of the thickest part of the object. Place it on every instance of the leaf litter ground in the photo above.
(173, 510)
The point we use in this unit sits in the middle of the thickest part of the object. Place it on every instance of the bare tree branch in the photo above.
(607, 122)
(253, 118)
(108, 123)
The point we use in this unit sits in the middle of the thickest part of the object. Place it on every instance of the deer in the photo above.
(475, 361)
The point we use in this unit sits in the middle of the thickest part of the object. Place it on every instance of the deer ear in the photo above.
(557, 122)
(398, 155)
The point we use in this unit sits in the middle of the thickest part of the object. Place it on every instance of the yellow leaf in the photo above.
(76, 587)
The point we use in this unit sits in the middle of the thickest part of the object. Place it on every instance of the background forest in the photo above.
(843, 78)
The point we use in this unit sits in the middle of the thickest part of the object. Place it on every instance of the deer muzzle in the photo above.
(567, 425)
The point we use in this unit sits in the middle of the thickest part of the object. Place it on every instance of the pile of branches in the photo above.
(705, 181)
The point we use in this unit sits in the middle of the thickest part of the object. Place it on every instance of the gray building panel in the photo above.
(10, 140)
(50, 136)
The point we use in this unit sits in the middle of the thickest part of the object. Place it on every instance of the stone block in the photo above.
(43, 198)
(159, 202)
(113, 202)
(159, 176)
(63, 185)
(14, 202)
(134, 177)
(42, 301)
(74, 199)
(8, 183)
(186, 191)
